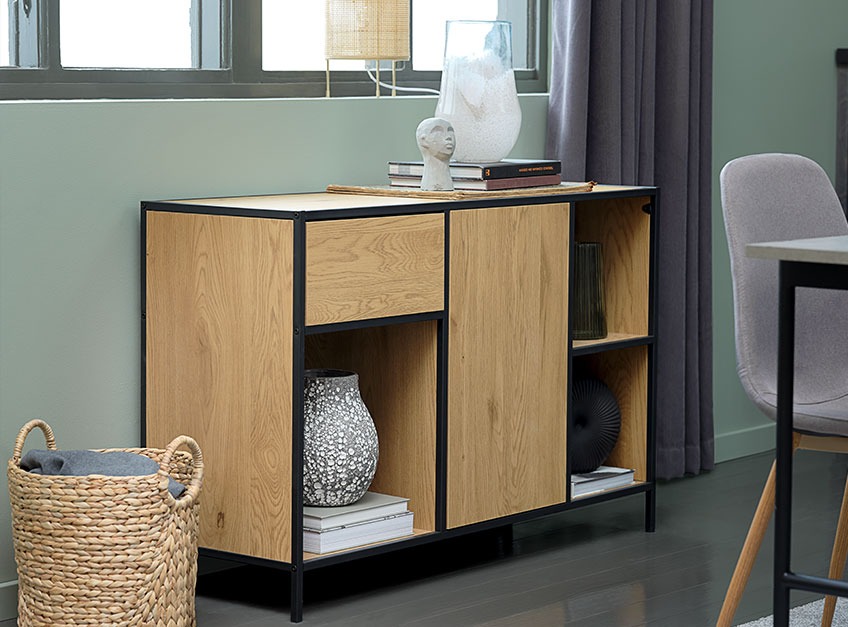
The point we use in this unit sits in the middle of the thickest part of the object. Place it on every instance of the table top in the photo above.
(814, 250)
(324, 201)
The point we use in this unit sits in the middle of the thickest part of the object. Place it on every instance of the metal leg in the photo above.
(783, 488)
(296, 594)
(504, 540)
(651, 511)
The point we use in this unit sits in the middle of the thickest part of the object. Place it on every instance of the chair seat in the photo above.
(829, 417)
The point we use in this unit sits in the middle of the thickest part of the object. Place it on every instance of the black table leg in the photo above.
(783, 485)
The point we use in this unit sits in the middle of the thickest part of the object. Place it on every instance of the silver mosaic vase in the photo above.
(340, 447)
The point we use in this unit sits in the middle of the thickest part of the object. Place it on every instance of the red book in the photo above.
(517, 182)
(508, 168)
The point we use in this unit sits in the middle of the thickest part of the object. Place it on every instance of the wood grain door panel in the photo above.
(507, 361)
(219, 359)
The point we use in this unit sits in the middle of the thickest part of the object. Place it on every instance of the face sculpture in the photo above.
(436, 138)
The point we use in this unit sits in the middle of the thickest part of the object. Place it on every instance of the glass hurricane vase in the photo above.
(478, 94)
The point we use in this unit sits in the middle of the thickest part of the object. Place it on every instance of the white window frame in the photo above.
(228, 61)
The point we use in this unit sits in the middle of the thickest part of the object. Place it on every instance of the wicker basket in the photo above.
(95, 550)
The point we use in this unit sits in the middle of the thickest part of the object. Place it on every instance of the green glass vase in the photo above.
(589, 312)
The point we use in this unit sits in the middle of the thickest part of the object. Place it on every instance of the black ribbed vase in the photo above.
(589, 322)
(596, 423)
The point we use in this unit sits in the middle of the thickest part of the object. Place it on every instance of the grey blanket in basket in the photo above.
(80, 463)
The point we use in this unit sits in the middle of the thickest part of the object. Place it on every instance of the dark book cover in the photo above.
(507, 168)
(520, 182)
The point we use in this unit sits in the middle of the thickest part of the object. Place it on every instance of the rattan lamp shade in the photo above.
(376, 30)
(368, 29)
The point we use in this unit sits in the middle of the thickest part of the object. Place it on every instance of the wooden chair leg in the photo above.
(748, 556)
(837, 558)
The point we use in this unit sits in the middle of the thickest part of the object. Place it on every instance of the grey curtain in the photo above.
(630, 103)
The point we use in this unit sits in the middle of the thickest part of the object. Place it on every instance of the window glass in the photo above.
(126, 33)
(293, 37)
(293, 32)
(428, 27)
(5, 39)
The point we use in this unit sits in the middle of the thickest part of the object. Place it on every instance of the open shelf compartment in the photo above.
(625, 373)
(397, 368)
(623, 228)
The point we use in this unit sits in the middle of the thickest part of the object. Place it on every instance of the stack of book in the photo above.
(373, 518)
(506, 174)
(600, 479)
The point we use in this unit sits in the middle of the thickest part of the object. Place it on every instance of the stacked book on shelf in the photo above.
(506, 174)
(373, 518)
(600, 479)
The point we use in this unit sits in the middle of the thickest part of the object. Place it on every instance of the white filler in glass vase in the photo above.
(478, 94)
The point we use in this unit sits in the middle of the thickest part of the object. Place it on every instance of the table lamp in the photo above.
(370, 30)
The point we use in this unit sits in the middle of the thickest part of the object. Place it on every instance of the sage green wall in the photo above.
(774, 91)
(72, 174)
(71, 178)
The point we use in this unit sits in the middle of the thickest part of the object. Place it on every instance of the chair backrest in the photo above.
(772, 197)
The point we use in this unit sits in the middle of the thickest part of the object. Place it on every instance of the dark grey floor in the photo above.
(593, 567)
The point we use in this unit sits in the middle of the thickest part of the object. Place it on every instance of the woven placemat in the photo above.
(460, 194)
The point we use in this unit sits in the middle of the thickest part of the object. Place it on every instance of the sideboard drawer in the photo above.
(374, 267)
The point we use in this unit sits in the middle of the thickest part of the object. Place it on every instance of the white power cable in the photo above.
(423, 90)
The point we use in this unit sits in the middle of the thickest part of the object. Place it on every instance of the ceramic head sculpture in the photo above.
(436, 141)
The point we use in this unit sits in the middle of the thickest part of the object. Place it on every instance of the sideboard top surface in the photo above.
(318, 201)
(331, 202)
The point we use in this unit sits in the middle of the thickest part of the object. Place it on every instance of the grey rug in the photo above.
(808, 615)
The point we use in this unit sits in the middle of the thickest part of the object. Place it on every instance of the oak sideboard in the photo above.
(455, 314)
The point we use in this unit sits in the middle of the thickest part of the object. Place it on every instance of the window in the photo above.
(5, 59)
(118, 34)
(225, 48)
(18, 33)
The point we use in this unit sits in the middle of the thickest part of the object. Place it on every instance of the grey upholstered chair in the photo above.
(773, 197)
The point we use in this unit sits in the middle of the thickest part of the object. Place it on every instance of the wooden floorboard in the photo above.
(593, 567)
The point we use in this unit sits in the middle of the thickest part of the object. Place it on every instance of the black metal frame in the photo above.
(142, 268)
(299, 566)
(441, 513)
(794, 274)
(298, 356)
(653, 322)
(841, 182)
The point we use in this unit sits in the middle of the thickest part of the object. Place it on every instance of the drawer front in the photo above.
(374, 268)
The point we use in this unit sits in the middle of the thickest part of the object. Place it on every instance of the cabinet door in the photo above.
(219, 362)
(507, 361)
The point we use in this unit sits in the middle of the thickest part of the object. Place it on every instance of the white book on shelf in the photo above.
(349, 536)
(371, 506)
(600, 479)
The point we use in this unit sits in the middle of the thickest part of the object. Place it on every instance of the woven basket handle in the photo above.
(24, 432)
(193, 488)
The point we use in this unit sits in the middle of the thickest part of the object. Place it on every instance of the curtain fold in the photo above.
(631, 103)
